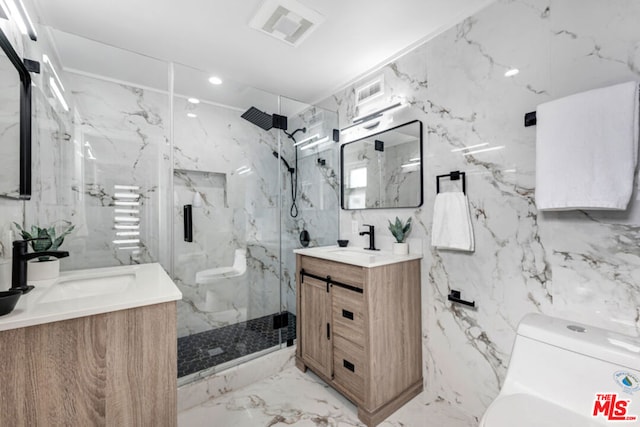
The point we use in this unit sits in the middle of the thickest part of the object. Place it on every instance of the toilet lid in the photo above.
(524, 410)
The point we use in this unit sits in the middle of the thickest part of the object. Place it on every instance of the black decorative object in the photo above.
(343, 243)
(453, 176)
(455, 297)
(188, 223)
(305, 239)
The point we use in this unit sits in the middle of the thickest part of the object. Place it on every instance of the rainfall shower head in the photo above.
(264, 120)
(258, 118)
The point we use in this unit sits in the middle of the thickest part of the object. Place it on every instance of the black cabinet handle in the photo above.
(348, 365)
(328, 331)
(347, 314)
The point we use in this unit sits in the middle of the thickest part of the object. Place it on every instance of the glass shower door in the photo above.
(226, 224)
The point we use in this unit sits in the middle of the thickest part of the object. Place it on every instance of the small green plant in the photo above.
(47, 238)
(400, 231)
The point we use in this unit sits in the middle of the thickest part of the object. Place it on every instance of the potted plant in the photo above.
(400, 232)
(45, 239)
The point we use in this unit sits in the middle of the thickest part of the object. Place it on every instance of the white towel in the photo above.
(586, 149)
(452, 222)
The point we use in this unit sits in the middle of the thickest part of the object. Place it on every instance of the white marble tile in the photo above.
(294, 398)
(205, 386)
(577, 265)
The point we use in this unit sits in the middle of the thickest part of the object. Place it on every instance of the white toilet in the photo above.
(566, 374)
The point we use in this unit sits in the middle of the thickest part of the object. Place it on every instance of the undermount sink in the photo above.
(89, 285)
(371, 255)
(356, 256)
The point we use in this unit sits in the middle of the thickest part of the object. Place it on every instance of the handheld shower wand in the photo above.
(278, 156)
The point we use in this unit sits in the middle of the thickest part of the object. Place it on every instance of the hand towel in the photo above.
(587, 149)
(451, 227)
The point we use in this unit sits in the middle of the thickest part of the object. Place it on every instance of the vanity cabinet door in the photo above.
(315, 325)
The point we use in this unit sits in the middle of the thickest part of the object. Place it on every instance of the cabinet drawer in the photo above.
(348, 314)
(344, 273)
(348, 366)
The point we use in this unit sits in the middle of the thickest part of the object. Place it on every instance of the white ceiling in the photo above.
(214, 36)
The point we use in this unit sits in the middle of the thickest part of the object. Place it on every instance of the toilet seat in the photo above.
(524, 410)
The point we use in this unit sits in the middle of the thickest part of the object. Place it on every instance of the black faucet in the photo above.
(372, 237)
(19, 265)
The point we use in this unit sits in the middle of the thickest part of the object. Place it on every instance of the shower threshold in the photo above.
(217, 347)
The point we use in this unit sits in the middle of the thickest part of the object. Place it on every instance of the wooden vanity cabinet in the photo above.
(359, 329)
(111, 369)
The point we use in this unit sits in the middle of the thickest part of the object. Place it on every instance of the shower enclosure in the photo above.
(236, 175)
(153, 163)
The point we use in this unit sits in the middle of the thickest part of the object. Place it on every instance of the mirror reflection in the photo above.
(10, 86)
(384, 170)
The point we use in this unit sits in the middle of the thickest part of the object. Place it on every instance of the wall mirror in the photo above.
(15, 124)
(383, 170)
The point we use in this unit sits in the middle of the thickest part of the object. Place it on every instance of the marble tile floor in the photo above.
(293, 398)
(210, 348)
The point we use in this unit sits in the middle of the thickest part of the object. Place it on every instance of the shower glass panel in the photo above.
(225, 179)
(100, 140)
(310, 208)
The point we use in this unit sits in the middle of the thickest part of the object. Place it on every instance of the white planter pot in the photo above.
(400, 248)
(43, 270)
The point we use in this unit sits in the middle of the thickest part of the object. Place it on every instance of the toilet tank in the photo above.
(569, 363)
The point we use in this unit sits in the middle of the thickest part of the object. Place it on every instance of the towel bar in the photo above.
(453, 176)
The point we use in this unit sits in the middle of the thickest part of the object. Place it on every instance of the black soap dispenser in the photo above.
(305, 238)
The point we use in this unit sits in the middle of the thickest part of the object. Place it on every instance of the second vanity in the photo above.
(359, 325)
(93, 348)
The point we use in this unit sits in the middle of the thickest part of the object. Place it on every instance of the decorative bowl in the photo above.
(8, 300)
(343, 243)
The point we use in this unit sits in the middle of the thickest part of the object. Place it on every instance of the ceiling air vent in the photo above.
(370, 90)
(286, 20)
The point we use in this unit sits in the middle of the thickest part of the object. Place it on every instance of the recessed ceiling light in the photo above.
(192, 115)
(215, 80)
(194, 100)
(512, 72)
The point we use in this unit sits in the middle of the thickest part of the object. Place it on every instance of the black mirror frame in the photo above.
(342, 201)
(25, 117)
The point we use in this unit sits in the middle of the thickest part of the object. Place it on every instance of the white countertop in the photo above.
(81, 293)
(356, 256)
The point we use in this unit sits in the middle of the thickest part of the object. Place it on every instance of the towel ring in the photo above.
(453, 176)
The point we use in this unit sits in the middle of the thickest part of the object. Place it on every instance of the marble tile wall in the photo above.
(581, 265)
